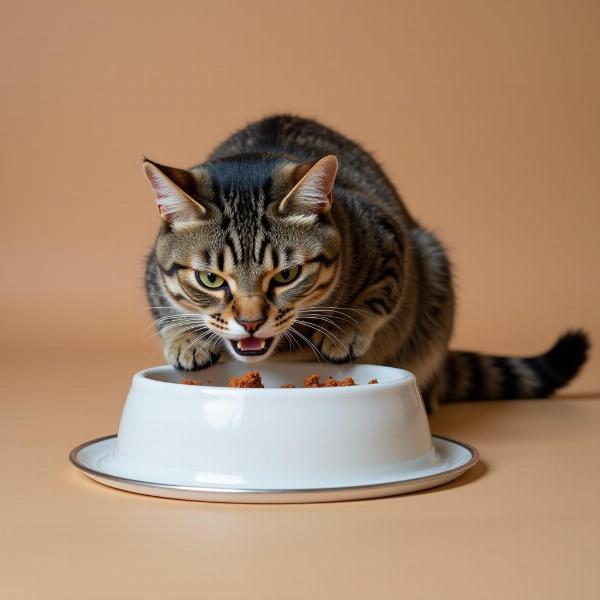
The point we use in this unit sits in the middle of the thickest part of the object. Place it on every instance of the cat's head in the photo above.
(247, 242)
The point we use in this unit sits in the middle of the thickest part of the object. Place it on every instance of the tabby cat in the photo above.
(291, 240)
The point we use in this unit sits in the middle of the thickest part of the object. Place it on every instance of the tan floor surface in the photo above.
(522, 524)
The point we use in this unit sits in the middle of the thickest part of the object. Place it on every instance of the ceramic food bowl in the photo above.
(213, 442)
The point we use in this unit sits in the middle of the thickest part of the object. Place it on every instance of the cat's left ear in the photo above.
(312, 194)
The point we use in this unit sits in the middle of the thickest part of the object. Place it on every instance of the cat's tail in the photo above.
(473, 376)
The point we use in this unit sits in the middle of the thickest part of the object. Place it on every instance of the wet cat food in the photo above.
(252, 379)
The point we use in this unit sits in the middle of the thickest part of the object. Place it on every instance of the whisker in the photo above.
(184, 329)
(199, 338)
(322, 318)
(330, 335)
(329, 312)
(342, 308)
(286, 337)
(310, 344)
(292, 343)
(179, 317)
(181, 320)
(183, 326)
(217, 339)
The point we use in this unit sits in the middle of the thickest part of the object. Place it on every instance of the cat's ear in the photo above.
(173, 189)
(311, 196)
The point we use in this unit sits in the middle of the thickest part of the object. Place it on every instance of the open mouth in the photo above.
(252, 346)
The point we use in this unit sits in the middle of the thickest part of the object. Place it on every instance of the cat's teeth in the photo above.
(262, 346)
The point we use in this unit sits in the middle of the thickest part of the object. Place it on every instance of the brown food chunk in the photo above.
(373, 381)
(330, 382)
(287, 385)
(311, 381)
(251, 379)
(190, 382)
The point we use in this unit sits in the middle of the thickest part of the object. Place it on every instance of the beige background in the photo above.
(485, 114)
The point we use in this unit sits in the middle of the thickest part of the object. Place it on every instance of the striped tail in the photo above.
(472, 376)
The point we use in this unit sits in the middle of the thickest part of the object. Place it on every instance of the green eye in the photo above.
(209, 280)
(287, 275)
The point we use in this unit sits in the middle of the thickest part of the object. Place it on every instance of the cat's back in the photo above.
(297, 137)
(307, 140)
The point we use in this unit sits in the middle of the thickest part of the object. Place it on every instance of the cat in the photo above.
(290, 239)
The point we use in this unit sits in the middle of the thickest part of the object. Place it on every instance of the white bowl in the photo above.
(200, 442)
(271, 437)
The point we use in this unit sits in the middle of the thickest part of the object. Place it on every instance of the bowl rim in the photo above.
(404, 377)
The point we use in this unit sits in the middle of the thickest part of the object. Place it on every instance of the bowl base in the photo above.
(453, 459)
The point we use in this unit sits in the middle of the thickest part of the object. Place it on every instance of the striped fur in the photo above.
(374, 286)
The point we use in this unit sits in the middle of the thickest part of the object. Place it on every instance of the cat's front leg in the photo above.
(349, 333)
(190, 351)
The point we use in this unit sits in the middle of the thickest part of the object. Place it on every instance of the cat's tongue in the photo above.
(251, 344)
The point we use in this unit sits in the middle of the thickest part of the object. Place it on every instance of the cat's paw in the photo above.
(186, 355)
(342, 347)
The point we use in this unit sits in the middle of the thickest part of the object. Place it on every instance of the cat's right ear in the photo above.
(173, 189)
(311, 195)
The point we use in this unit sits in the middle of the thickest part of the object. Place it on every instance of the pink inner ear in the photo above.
(313, 193)
(323, 205)
(162, 194)
(155, 182)
(164, 215)
(172, 201)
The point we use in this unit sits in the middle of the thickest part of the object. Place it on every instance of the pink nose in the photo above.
(251, 326)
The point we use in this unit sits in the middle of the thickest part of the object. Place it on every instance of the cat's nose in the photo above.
(250, 312)
(250, 326)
